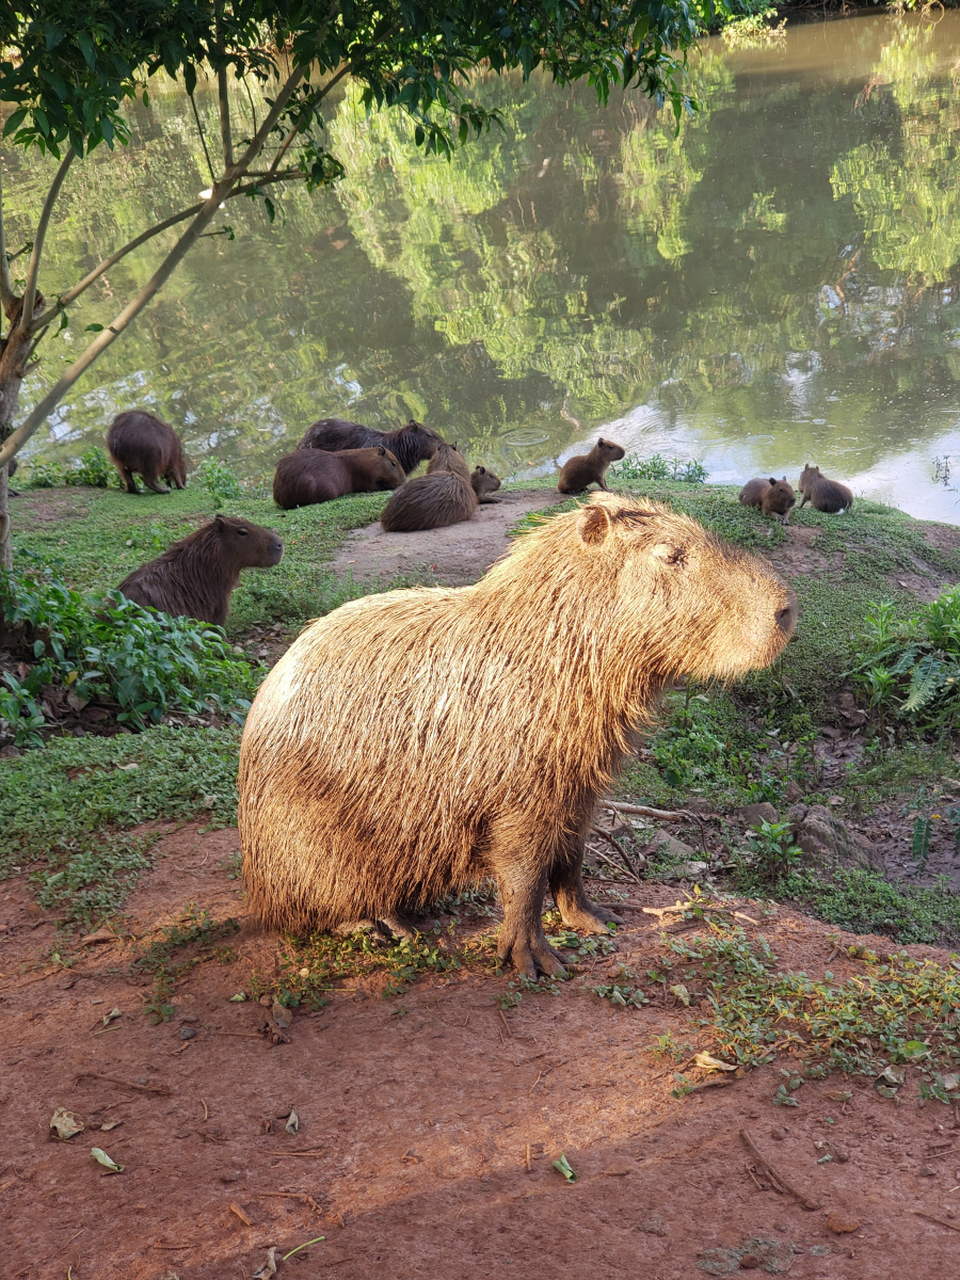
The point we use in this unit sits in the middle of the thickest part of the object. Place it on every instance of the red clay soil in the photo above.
(429, 1124)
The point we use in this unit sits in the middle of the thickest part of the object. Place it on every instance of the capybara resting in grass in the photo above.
(445, 495)
(314, 475)
(773, 497)
(484, 483)
(367, 784)
(196, 577)
(410, 445)
(823, 494)
(586, 468)
(140, 442)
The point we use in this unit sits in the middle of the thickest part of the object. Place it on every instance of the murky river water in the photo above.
(778, 284)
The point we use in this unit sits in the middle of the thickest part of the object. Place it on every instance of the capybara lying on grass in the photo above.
(773, 497)
(368, 785)
(139, 441)
(588, 468)
(445, 495)
(823, 494)
(196, 577)
(314, 475)
(410, 445)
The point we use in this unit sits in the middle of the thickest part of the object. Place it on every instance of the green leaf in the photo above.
(563, 1166)
(88, 49)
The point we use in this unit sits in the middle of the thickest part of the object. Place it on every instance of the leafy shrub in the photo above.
(913, 668)
(145, 662)
(220, 480)
(633, 468)
(92, 469)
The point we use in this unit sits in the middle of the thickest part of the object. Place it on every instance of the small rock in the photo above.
(266, 1001)
(927, 1172)
(229, 1175)
(189, 1017)
(619, 1169)
(187, 1033)
(778, 1134)
(840, 1225)
(793, 792)
(749, 1262)
(754, 814)
(653, 1226)
(686, 871)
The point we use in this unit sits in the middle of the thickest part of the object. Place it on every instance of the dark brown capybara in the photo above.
(410, 445)
(822, 493)
(365, 786)
(588, 468)
(773, 497)
(445, 495)
(314, 475)
(484, 483)
(140, 442)
(196, 576)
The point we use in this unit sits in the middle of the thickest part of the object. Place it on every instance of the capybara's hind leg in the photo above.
(565, 878)
(126, 475)
(151, 482)
(522, 941)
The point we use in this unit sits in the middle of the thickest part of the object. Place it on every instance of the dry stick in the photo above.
(506, 1023)
(314, 1151)
(751, 1146)
(930, 1218)
(244, 1217)
(206, 1111)
(595, 853)
(127, 1084)
(293, 1195)
(644, 811)
(624, 856)
(529, 1166)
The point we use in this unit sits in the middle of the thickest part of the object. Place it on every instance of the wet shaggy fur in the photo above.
(196, 577)
(484, 483)
(367, 784)
(314, 475)
(445, 495)
(823, 494)
(140, 442)
(773, 497)
(410, 445)
(588, 468)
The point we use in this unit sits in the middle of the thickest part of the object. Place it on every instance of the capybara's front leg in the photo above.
(522, 941)
(566, 884)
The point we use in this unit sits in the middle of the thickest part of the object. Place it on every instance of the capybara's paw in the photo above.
(531, 956)
(590, 918)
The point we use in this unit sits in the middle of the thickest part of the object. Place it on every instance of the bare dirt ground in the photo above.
(429, 1123)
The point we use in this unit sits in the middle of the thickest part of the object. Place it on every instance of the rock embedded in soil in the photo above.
(826, 842)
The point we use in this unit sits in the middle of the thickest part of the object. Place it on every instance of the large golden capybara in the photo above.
(369, 786)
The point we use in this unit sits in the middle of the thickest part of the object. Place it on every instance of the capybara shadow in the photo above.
(589, 468)
(410, 445)
(773, 497)
(140, 442)
(196, 576)
(367, 784)
(822, 493)
(444, 496)
(314, 475)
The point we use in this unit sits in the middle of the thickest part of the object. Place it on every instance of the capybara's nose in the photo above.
(787, 616)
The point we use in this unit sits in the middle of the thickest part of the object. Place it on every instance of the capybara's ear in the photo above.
(218, 521)
(601, 440)
(667, 553)
(482, 470)
(773, 479)
(594, 525)
(784, 479)
(381, 451)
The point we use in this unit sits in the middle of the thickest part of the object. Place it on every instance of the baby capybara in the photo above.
(773, 497)
(484, 483)
(139, 441)
(410, 445)
(586, 468)
(196, 577)
(366, 786)
(314, 475)
(443, 496)
(823, 494)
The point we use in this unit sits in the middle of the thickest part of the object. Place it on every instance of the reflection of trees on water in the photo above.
(797, 243)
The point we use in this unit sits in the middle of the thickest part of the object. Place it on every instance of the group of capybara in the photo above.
(777, 498)
(366, 792)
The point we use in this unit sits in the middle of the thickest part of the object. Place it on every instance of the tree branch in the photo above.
(345, 70)
(33, 270)
(203, 140)
(72, 294)
(226, 137)
(6, 290)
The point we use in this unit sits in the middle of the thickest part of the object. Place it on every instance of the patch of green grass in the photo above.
(66, 809)
(864, 902)
(105, 534)
(896, 1012)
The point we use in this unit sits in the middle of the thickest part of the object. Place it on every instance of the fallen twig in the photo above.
(930, 1218)
(644, 811)
(244, 1217)
(127, 1084)
(624, 856)
(529, 1165)
(313, 1151)
(503, 1017)
(596, 853)
(293, 1195)
(778, 1178)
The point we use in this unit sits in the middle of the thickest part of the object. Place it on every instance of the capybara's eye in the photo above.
(243, 532)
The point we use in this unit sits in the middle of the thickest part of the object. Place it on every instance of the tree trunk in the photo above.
(12, 361)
